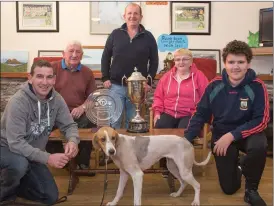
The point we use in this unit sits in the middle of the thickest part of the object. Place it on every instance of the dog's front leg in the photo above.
(121, 187)
(137, 178)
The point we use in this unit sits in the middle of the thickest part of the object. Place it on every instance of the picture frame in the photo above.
(14, 61)
(50, 53)
(37, 16)
(209, 54)
(92, 57)
(107, 16)
(190, 18)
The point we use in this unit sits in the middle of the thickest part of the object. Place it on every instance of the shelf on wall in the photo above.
(14, 74)
(265, 77)
(98, 75)
(262, 51)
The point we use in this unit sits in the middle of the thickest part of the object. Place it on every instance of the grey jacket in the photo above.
(27, 122)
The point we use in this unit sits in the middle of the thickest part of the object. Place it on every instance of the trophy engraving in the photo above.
(137, 95)
(102, 108)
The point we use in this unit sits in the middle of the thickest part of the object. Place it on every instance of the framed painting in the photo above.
(190, 18)
(37, 16)
(92, 57)
(209, 54)
(107, 16)
(14, 61)
(50, 53)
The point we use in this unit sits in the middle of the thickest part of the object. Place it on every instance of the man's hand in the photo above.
(71, 149)
(107, 84)
(222, 144)
(156, 117)
(147, 87)
(58, 160)
(77, 112)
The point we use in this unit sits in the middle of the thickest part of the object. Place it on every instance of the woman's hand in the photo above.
(156, 117)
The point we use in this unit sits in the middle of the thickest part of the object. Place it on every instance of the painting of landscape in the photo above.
(14, 61)
(92, 58)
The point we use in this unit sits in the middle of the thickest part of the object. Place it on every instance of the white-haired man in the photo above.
(75, 82)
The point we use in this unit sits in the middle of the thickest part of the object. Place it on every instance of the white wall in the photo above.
(230, 20)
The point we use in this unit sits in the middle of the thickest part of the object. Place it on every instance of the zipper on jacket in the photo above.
(130, 41)
(176, 104)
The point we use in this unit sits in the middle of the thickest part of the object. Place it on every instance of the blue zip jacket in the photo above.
(242, 110)
(121, 55)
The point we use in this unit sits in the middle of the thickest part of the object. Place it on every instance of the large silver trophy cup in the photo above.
(137, 95)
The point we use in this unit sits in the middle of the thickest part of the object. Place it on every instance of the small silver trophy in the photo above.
(102, 108)
(137, 95)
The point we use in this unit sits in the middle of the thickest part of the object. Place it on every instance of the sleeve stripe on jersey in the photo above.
(265, 119)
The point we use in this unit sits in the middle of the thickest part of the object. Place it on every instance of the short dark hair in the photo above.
(237, 47)
(41, 63)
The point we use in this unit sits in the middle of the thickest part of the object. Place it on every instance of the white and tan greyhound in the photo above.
(132, 155)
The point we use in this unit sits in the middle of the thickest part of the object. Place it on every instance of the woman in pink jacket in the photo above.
(178, 91)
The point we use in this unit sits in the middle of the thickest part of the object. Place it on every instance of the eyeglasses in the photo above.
(183, 59)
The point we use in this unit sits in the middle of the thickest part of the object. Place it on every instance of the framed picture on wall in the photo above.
(50, 53)
(37, 16)
(190, 18)
(92, 57)
(14, 61)
(106, 16)
(209, 54)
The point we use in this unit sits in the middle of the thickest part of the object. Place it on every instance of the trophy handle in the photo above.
(124, 77)
(149, 77)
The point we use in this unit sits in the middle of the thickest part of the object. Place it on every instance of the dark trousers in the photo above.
(168, 121)
(85, 147)
(24, 178)
(252, 164)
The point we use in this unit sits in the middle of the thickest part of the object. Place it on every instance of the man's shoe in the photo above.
(85, 167)
(253, 198)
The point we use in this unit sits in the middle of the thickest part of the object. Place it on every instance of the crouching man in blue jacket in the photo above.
(237, 104)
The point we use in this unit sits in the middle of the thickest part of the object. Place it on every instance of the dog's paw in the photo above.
(195, 203)
(174, 194)
(110, 204)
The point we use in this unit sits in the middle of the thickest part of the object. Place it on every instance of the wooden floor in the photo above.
(155, 189)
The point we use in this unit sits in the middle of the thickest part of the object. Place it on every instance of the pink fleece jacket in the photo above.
(179, 99)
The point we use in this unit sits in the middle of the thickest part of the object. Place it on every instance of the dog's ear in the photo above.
(95, 142)
(116, 138)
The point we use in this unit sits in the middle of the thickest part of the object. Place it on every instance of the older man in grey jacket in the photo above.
(25, 127)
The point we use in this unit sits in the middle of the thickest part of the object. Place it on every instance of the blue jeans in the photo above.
(129, 108)
(23, 178)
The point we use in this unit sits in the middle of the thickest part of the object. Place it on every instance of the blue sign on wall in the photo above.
(171, 42)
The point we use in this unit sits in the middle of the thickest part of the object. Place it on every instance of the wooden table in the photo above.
(87, 135)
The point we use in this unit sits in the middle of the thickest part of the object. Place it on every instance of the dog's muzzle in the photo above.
(111, 151)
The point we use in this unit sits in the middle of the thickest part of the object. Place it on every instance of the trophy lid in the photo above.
(136, 76)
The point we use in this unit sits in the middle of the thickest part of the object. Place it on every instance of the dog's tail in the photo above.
(205, 161)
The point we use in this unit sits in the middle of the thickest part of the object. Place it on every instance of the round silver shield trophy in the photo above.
(137, 95)
(102, 108)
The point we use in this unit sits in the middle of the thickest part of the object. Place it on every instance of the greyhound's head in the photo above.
(106, 139)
